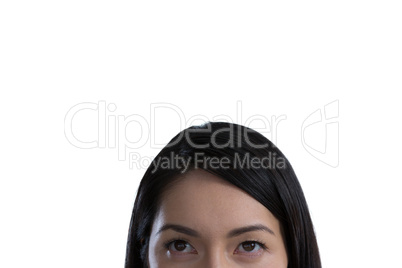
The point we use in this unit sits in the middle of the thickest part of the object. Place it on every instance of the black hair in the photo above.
(269, 178)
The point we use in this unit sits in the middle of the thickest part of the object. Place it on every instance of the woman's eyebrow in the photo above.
(250, 228)
(180, 229)
(235, 232)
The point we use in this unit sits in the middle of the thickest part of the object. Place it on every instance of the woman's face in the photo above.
(204, 221)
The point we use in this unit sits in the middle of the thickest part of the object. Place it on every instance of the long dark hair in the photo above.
(273, 183)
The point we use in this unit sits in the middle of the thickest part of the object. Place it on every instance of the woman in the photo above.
(221, 195)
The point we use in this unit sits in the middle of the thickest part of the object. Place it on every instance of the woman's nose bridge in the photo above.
(216, 258)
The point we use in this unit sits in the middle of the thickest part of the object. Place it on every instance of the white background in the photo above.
(63, 206)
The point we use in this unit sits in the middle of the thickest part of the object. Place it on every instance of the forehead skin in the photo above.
(213, 207)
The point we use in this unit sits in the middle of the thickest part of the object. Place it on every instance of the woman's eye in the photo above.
(180, 246)
(249, 247)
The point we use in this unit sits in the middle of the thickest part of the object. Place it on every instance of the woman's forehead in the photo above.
(202, 199)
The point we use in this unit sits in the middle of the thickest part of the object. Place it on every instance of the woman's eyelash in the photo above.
(170, 242)
(260, 243)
